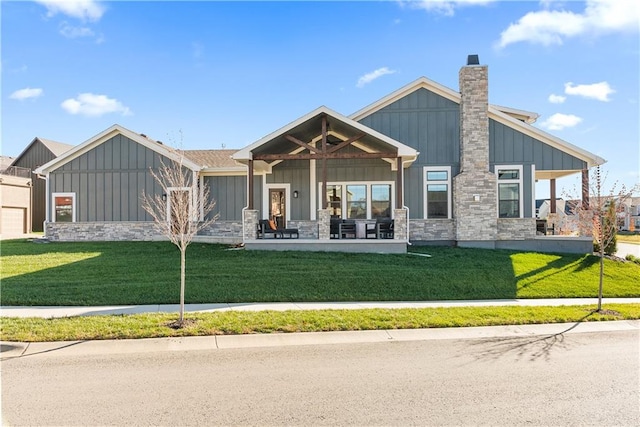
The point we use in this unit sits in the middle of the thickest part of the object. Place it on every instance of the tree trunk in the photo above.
(601, 279)
(183, 261)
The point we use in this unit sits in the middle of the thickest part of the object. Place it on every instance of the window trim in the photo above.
(425, 206)
(519, 181)
(368, 184)
(73, 205)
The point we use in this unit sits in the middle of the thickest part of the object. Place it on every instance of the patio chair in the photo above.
(334, 228)
(382, 229)
(348, 229)
(268, 228)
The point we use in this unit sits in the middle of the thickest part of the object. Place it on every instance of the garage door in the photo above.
(13, 221)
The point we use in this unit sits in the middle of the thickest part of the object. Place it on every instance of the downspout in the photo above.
(404, 198)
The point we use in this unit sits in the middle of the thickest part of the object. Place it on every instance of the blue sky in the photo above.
(224, 74)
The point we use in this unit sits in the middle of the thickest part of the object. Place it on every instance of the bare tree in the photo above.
(180, 212)
(599, 219)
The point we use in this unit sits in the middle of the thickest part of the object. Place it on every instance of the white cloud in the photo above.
(557, 99)
(548, 27)
(91, 105)
(445, 7)
(26, 93)
(560, 121)
(85, 10)
(369, 77)
(72, 32)
(599, 91)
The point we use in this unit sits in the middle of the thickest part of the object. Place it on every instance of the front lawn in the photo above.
(120, 273)
(153, 325)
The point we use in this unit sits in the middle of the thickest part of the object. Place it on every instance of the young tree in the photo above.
(180, 212)
(599, 219)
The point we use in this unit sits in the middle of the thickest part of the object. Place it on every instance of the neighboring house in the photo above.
(447, 166)
(15, 199)
(36, 154)
(565, 220)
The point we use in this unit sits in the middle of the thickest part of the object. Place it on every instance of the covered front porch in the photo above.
(326, 182)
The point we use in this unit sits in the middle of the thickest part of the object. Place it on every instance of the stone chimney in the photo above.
(474, 120)
(475, 193)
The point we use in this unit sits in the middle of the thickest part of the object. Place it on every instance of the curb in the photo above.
(12, 350)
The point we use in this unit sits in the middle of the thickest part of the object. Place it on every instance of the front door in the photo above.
(278, 206)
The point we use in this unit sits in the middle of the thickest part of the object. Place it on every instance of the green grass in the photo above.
(628, 238)
(111, 273)
(228, 323)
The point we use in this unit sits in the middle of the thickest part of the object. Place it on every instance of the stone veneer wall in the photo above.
(250, 220)
(306, 229)
(432, 229)
(224, 229)
(102, 231)
(474, 190)
(400, 224)
(516, 228)
(324, 224)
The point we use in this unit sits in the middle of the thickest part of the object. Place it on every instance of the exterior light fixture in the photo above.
(295, 194)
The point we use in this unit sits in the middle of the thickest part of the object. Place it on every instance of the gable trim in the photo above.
(104, 136)
(500, 114)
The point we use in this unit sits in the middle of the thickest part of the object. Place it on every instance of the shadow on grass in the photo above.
(530, 348)
(142, 273)
(557, 267)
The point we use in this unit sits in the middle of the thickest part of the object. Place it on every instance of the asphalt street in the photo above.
(562, 378)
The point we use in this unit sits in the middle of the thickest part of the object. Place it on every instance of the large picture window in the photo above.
(437, 192)
(359, 200)
(509, 191)
(64, 207)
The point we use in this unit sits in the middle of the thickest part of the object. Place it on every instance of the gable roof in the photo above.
(307, 123)
(212, 158)
(104, 136)
(56, 148)
(510, 117)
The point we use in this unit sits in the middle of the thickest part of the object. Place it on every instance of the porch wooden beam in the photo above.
(399, 184)
(325, 201)
(301, 143)
(309, 156)
(552, 200)
(250, 192)
(585, 189)
(345, 143)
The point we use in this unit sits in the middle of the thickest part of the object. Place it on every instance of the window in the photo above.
(509, 191)
(359, 200)
(380, 201)
(64, 207)
(334, 195)
(437, 192)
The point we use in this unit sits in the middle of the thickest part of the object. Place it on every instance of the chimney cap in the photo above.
(473, 60)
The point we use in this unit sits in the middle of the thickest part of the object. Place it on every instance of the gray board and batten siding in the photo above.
(430, 124)
(296, 173)
(229, 194)
(35, 156)
(108, 180)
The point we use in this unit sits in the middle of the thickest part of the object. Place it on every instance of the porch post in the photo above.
(399, 183)
(324, 162)
(585, 189)
(552, 191)
(250, 192)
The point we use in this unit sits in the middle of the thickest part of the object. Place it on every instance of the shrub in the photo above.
(633, 259)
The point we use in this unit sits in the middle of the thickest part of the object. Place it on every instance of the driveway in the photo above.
(625, 249)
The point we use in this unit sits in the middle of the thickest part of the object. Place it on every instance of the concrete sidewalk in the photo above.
(11, 350)
(52, 312)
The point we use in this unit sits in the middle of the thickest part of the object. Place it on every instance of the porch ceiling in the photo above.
(552, 174)
(308, 129)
